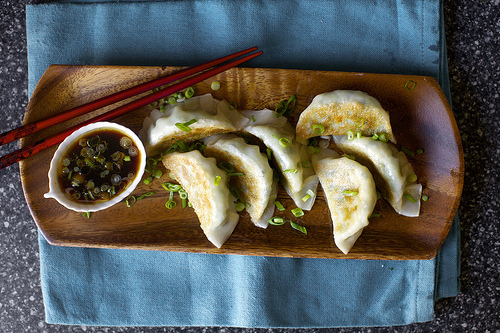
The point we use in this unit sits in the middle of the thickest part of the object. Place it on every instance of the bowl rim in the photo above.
(54, 187)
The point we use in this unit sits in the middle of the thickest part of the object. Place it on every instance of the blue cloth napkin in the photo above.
(147, 288)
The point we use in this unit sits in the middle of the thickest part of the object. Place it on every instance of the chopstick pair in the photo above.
(204, 73)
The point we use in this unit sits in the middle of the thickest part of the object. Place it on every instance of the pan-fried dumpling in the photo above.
(208, 194)
(278, 135)
(257, 188)
(350, 194)
(341, 111)
(190, 120)
(391, 170)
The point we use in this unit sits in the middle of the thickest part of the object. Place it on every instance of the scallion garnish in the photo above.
(148, 180)
(374, 215)
(350, 135)
(279, 206)
(318, 129)
(411, 178)
(171, 187)
(297, 212)
(409, 197)
(189, 92)
(351, 157)
(382, 137)
(284, 142)
(233, 106)
(147, 194)
(306, 164)
(157, 173)
(419, 151)
(172, 100)
(350, 193)
(425, 197)
(171, 203)
(215, 85)
(359, 135)
(285, 107)
(276, 220)
(230, 174)
(268, 153)
(253, 118)
(217, 180)
(375, 136)
(86, 214)
(239, 206)
(234, 191)
(407, 151)
(410, 85)
(298, 227)
(290, 170)
(226, 166)
(130, 201)
(185, 126)
(359, 122)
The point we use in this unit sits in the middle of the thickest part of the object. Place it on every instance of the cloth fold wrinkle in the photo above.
(114, 287)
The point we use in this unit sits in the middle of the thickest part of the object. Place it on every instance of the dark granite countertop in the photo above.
(473, 38)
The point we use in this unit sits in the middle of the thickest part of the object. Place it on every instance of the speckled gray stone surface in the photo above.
(473, 37)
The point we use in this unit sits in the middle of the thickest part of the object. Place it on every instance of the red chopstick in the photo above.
(111, 99)
(40, 145)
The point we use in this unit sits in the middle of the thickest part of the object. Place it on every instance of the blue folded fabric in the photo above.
(148, 288)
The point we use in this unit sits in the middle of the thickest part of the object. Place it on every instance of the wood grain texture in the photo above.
(421, 119)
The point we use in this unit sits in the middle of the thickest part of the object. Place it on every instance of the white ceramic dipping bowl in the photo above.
(57, 193)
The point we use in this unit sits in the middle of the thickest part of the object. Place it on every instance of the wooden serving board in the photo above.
(421, 119)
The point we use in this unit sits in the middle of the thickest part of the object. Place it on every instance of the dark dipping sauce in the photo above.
(99, 166)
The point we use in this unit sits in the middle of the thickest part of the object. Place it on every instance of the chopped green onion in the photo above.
(185, 126)
(306, 164)
(359, 135)
(308, 195)
(350, 193)
(189, 92)
(297, 212)
(182, 193)
(350, 135)
(233, 106)
(157, 173)
(375, 136)
(253, 118)
(351, 157)
(410, 85)
(360, 122)
(86, 214)
(276, 220)
(215, 85)
(217, 180)
(407, 151)
(268, 152)
(290, 170)
(147, 194)
(419, 151)
(318, 129)
(235, 174)
(409, 197)
(382, 137)
(172, 100)
(411, 178)
(298, 227)
(226, 166)
(170, 204)
(127, 158)
(425, 197)
(129, 201)
(284, 142)
(284, 108)
(182, 146)
(279, 206)
(148, 180)
(171, 187)
(374, 215)
(239, 206)
(234, 191)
